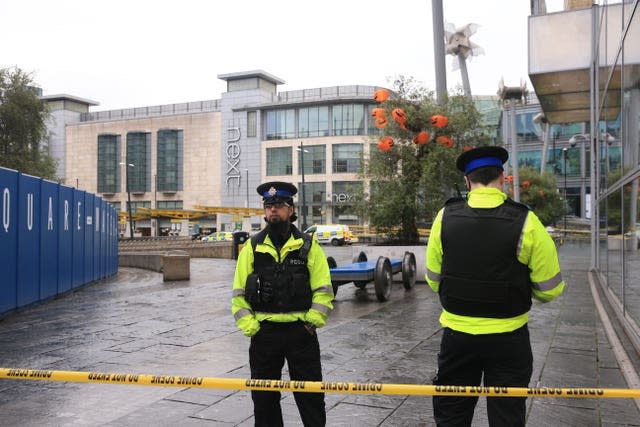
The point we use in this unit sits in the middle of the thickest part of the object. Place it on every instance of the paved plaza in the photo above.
(136, 323)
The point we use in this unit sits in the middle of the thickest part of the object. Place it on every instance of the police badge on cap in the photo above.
(277, 191)
(480, 157)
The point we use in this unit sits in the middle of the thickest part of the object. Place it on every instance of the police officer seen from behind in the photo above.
(486, 257)
(281, 294)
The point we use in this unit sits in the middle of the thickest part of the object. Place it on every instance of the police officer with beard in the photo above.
(281, 293)
(487, 256)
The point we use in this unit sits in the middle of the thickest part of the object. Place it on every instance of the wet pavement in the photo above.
(135, 323)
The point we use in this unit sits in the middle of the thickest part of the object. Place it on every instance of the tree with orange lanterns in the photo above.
(540, 193)
(411, 168)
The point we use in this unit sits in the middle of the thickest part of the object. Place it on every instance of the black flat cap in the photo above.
(481, 157)
(277, 191)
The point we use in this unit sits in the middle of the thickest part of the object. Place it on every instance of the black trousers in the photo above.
(504, 360)
(274, 343)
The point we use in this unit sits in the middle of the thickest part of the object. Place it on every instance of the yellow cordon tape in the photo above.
(313, 386)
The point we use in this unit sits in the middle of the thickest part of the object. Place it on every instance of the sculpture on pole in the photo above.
(459, 45)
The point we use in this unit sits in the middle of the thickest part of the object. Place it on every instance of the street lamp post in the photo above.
(247, 184)
(322, 207)
(564, 167)
(129, 165)
(303, 205)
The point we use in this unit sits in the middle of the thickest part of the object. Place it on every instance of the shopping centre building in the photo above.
(213, 154)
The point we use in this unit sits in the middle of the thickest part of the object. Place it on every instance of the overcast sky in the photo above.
(138, 53)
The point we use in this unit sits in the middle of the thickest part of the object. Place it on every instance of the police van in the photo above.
(335, 234)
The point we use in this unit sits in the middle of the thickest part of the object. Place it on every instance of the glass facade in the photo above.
(108, 163)
(136, 205)
(138, 178)
(347, 158)
(618, 256)
(313, 121)
(319, 121)
(279, 161)
(342, 202)
(348, 119)
(170, 204)
(280, 124)
(170, 160)
(314, 201)
(314, 159)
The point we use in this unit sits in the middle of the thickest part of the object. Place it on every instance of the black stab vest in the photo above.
(481, 275)
(289, 279)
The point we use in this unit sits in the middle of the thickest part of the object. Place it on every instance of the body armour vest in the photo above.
(481, 275)
(287, 281)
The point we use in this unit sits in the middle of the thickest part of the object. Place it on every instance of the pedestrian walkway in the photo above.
(136, 323)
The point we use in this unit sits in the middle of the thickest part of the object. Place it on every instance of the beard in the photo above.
(278, 226)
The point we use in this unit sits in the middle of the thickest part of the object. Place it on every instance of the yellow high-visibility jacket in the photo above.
(536, 250)
(248, 321)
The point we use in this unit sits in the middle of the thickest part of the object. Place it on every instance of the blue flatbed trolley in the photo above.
(380, 272)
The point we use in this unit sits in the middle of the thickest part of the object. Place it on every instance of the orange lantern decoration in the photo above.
(541, 193)
(526, 184)
(439, 121)
(381, 117)
(444, 141)
(510, 179)
(467, 148)
(377, 113)
(421, 138)
(381, 95)
(400, 117)
(386, 144)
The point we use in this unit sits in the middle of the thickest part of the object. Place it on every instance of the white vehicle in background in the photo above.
(335, 234)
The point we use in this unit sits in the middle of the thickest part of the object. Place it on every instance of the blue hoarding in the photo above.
(49, 223)
(77, 225)
(65, 239)
(8, 238)
(28, 289)
(46, 246)
(89, 223)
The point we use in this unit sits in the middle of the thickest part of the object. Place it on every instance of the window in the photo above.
(313, 121)
(348, 119)
(314, 159)
(314, 201)
(116, 206)
(108, 163)
(280, 124)
(170, 204)
(279, 161)
(136, 205)
(170, 160)
(252, 124)
(347, 158)
(342, 199)
(138, 154)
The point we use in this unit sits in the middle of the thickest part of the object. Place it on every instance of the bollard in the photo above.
(239, 238)
(176, 266)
